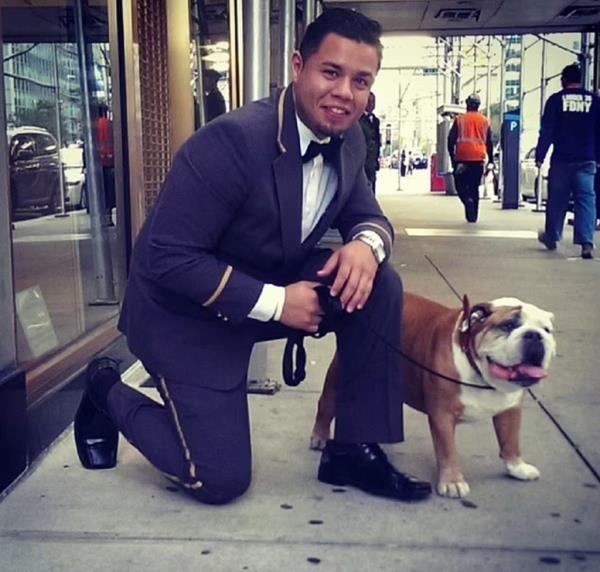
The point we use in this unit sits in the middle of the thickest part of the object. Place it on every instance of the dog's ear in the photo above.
(479, 313)
(466, 305)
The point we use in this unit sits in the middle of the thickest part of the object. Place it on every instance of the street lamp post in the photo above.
(61, 176)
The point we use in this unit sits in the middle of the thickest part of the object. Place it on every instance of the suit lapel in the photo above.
(287, 168)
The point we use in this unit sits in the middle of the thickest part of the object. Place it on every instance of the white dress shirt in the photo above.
(319, 185)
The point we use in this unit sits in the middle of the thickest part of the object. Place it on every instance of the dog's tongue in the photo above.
(517, 372)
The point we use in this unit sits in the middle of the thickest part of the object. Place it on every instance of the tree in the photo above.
(496, 122)
(42, 115)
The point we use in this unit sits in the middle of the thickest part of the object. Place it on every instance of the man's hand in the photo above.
(460, 167)
(301, 309)
(355, 267)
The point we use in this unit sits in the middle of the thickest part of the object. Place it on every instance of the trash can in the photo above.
(438, 184)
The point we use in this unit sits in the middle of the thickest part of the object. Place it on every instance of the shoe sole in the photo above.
(548, 245)
(344, 483)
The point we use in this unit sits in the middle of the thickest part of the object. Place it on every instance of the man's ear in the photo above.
(297, 64)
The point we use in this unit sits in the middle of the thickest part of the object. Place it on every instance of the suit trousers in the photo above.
(200, 437)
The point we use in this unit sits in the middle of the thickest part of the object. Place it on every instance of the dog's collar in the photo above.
(465, 339)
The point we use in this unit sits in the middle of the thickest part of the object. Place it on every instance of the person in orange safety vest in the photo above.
(104, 142)
(469, 143)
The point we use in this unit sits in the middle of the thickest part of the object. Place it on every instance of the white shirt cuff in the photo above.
(269, 305)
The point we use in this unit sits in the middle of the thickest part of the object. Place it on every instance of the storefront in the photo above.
(95, 97)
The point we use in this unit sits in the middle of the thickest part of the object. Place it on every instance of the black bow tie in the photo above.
(328, 150)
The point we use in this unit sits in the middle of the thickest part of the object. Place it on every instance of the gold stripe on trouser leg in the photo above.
(195, 484)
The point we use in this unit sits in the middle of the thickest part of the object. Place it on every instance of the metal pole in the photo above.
(399, 131)
(475, 65)
(437, 74)
(8, 347)
(103, 274)
(256, 50)
(488, 79)
(457, 77)
(446, 73)
(584, 58)
(502, 105)
(197, 39)
(287, 35)
(538, 186)
(521, 86)
(308, 9)
(61, 175)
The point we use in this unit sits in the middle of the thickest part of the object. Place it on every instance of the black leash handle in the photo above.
(291, 377)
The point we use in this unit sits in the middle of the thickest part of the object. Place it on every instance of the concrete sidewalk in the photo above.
(61, 517)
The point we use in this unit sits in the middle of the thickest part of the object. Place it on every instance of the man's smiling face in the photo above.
(332, 86)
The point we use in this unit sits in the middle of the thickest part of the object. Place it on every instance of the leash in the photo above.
(332, 308)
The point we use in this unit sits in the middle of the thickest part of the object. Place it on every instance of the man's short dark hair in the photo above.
(571, 74)
(349, 24)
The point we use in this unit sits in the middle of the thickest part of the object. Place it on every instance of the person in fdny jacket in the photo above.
(229, 257)
(571, 123)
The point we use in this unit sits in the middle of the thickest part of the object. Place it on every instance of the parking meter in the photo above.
(510, 138)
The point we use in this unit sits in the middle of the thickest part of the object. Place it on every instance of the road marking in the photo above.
(474, 233)
(54, 237)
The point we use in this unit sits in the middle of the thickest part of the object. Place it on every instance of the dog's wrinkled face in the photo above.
(513, 342)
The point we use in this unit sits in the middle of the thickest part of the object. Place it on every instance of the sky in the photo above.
(418, 116)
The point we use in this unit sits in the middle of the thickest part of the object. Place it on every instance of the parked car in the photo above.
(529, 175)
(34, 166)
(420, 162)
(74, 177)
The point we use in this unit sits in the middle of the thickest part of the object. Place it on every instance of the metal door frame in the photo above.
(8, 347)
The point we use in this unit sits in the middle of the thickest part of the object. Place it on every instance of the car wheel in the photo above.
(53, 201)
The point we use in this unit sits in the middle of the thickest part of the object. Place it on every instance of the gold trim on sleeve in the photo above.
(221, 286)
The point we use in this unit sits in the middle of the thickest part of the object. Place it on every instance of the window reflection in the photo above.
(211, 82)
(64, 266)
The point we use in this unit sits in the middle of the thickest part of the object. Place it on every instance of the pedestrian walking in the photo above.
(469, 143)
(571, 123)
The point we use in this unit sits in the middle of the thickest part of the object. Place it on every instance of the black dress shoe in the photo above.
(96, 437)
(365, 466)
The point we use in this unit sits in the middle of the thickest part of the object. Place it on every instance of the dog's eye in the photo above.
(509, 326)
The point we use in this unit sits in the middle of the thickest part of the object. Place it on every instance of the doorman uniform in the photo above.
(227, 221)
(469, 141)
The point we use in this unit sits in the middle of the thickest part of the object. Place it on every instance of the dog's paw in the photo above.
(522, 471)
(318, 442)
(455, 490)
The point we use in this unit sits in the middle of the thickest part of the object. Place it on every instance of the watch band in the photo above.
(375, 245)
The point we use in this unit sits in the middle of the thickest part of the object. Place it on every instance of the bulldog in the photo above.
(490, 352)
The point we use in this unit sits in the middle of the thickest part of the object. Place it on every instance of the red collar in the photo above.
(465, 336)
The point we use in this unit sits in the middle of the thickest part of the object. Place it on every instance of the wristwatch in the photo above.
(375, 244)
